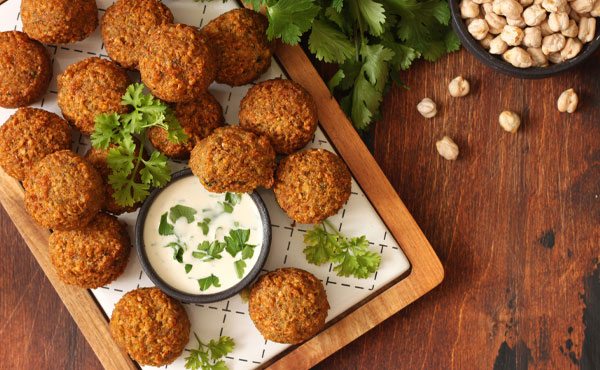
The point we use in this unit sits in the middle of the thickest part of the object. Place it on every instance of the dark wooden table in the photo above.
(516, 222)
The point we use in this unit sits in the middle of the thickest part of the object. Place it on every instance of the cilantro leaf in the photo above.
(329, 44)
(178, 211)
(188, 268)
(227, 208)
(207, 282)
(374, 14)
(207, 356)
(335, 80)
(233, 198)
(220, 348)
(209, 251)
(236, 241)
(105, 129)
(239, 265)
(204, 225)
(156, 170)
(289, 19)
(337, 5)
(165, 228)
(319, 248)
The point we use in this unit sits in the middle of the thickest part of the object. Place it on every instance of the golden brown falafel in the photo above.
(63, 191)
(281, 110)
(312, 185)
(243, 50)
(288, 305)
(25, 70)
(233, 159)
(91, 256)
(127, 23)
(28, 136)
(150, 326)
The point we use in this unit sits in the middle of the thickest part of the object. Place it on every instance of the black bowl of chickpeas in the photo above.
(528, 38)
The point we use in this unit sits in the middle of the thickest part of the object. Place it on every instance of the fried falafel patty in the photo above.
(25, 70)
(243, 50)
(63, 191)
(28, 136)
(233, 159)
(198, 118)
(281, 110)
(91, 87)
(91, 256)
(59, 21)
(150, 326)
(177, 63)
(312, 185)
(125, 25)
(288, 305)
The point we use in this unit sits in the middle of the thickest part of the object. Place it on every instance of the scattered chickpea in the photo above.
(567, 101)
(571, 49)
(459, 87)
(509, 121)
(518, 57)
(447, 148)
(427, 108)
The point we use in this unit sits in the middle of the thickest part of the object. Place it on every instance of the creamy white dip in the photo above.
(189, 192)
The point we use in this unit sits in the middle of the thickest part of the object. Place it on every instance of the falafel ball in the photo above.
(59, 21)
(243, 50)
(150, 326)
(91, 256)
(97, 157)
(28, 136)
(198, 119)
(281, 110)
(25, 70)
(63, 191)
(288, 305)
(125, 25)
(312, 185)
(233, 159)
(177, 62)
(91, 87)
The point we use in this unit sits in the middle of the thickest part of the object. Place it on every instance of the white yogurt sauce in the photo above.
(189, 192)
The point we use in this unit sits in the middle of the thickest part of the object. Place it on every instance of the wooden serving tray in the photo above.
(426, 273)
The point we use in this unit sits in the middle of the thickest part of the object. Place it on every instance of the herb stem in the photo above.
(328, 223)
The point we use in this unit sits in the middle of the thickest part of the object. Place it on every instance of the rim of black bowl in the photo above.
(497, 64)
(200, 298)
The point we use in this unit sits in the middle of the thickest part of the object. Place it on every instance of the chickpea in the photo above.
(595, 12)
(468, 9)
(447, 148)
(496, 23)
(587, 29)
(459, 87)
(507, 8)
(554, 5)
(427, 108)
(509, 121)
(526, 2)
(558, 21)
(553, 43)
(513, 36)
(582, 6)
(538, 57)
(486, 8)
(498, 46)
(571, 49)
(572, 30)
(518, 57)
(485, 43)
(555, 58)
(574, 15)
(533, 37)
(567, 101)
(478, 28)
(534, 15)
(519, 22)
(538, 2)
(546, 31)
(481, 2)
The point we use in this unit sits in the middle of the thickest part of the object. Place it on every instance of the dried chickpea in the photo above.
(498, 46)
(538, 57)
(427, 108)
(495, 22)
(507, 8)
(526, 2)
(447, 148)
(519, 22)
(481, 2)
(512, 35)
(571, 49)
(546, 31)
(587, 29)
(567, 101)
(485, 43)
(595, 12)
(509, 121)
(533, 37)
(572, 30)
(554, 58)
(518, 57)
(468, 9)
(582, 6)
(558, 21)
(486, 8)
(459, 87)
(554, 5)
(534, 15)
(553, 43)
(478, 28)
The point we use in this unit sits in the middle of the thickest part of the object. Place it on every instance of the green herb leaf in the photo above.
(156, 170)
(233, 198)
(105, 130)
(248, 251)
(227, 208)
(207, 282)
(207, 356)
(178, 254)
(208, 251)
(239, 268)
(165, 228)
(204, 225)
(289, 19)
(220, 348)
(236, 241)
(329, 44)
(178, 211)
(188, 268)
(374, 14)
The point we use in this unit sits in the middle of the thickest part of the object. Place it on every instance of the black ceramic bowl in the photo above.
(496, 62)
(200, 298)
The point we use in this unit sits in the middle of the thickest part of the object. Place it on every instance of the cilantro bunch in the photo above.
(209, 356)
(370, 40)
(130, 180)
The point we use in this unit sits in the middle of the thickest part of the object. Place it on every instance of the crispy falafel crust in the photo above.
(288, 305)
(63, 191)
(92, 256)
(25, 70)
(177, 63)
(243, 51)
(199, 118)
(233, 159)
(281, 110)
(150, 326)
(59, 21)
(28, 136)
(312, 185)
(91, 87)
(125, 25)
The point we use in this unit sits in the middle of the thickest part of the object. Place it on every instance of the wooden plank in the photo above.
(79, 302)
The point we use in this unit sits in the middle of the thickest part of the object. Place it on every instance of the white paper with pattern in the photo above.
(230, 317)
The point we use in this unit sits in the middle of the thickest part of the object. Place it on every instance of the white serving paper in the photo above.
(230, 317)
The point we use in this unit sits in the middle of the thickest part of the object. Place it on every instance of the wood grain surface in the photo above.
(515, 221)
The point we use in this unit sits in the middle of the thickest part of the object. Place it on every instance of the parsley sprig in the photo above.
(351, 255)
(208, 356)
(132, 175)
